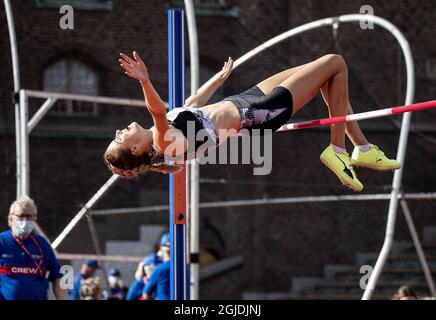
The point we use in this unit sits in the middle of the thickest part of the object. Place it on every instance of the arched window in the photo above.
(72, 76)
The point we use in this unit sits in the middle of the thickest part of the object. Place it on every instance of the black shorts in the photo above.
(260, 111)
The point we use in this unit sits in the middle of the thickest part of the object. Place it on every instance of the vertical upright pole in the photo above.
(17, 87)
(24, 148)
(401, 156)
(176, 98)
(194, 168)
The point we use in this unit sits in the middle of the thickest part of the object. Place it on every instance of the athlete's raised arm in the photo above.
(208, 89)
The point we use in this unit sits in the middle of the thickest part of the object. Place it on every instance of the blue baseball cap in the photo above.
(114, 272)
(165, 240)
(92, 263)
(152, 258)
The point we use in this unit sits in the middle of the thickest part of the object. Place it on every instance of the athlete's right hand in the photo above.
(134, 68)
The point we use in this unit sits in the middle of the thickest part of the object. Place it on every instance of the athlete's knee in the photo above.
(336, 61)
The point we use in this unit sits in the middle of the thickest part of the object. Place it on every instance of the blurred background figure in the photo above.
(90, 289)
(405, 293)
(117, 289)
(163, 244)
(88, 269)
(142, 275)
(158, 285)
(150, 262)
(136, 287)
(27, 261)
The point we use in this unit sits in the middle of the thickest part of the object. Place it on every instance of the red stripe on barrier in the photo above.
(415, 107)
(364, 115)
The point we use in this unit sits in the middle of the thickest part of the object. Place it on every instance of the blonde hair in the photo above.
(90, 289)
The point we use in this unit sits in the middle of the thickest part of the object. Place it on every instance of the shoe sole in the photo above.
(375, 168)
(344, 181)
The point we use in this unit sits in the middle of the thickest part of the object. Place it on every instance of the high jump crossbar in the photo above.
(360, 116)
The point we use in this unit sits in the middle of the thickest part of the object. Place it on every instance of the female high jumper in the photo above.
(267, 105)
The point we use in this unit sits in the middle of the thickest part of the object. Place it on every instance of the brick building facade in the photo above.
(277, 242)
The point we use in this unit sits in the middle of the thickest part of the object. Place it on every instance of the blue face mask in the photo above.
(24, 227)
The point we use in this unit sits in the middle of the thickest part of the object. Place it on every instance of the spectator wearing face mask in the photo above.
(117, 289)
(142, 275)
(27, 261)
(87, 270)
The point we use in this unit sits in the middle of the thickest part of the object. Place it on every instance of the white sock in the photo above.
(364, 148)
(338, 150)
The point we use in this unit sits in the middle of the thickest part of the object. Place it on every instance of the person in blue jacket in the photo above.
(117, 289)
(27, 261)
(87, 270)
(158, 285)
(145, 269)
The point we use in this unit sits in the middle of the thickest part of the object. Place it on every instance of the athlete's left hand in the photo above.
(225, 71)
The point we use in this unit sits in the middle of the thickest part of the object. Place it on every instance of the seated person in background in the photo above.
(405, 293)
(87, 270)
(90, 289)
(117, 289)
(158, 285)
(142, 275)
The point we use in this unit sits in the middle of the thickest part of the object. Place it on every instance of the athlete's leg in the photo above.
(352, 128)
(372, 157)
(305, 83)
(270, 83)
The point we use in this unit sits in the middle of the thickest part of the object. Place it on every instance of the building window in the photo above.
(209, 8)
(77, 4)
(72, 76)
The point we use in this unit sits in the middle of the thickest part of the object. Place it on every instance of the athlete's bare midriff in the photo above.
(224, 115)
(224, 119)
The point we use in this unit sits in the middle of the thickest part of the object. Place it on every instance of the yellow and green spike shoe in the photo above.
(374, 158)
(341, 166)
